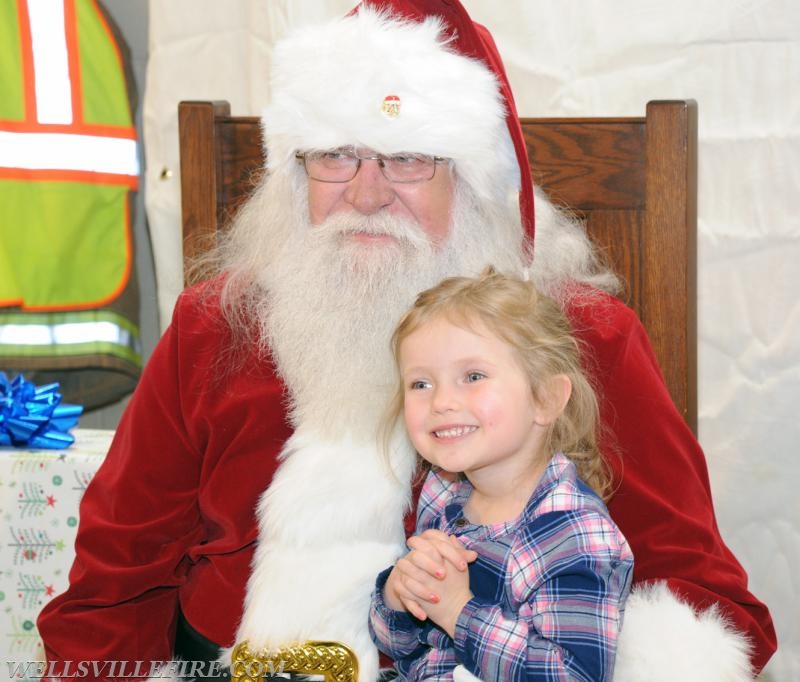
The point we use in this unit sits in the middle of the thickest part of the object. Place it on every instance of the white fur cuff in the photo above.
(663, 640)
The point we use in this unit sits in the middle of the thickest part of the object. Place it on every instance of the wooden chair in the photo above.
(633, 180)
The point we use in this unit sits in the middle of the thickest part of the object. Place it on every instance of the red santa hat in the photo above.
(402, 75)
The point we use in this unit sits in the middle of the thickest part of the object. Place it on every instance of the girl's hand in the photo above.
(452, 592)
(433, 548)
(432, 579)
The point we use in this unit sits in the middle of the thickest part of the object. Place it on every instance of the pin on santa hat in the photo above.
(402, 76)
(391, 106)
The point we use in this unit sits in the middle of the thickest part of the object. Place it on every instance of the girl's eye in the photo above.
(417, 385)
(475, 376)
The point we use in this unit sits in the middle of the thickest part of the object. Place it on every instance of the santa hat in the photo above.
(402, 76)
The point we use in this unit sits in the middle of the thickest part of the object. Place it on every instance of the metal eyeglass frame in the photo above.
(381, 159)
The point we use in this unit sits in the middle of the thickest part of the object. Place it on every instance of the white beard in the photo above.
(329, 317)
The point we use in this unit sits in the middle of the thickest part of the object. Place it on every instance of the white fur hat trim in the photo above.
(329, 84)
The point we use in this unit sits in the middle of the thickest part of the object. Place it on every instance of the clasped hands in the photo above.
(432, 580)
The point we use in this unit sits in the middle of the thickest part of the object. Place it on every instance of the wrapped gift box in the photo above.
(40, 491)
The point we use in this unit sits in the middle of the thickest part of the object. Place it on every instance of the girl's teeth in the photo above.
(454, 432)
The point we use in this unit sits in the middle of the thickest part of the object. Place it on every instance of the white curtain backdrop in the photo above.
(740, 59)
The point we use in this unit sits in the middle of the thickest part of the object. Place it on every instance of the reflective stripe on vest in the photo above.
(58, 151)
(69, 334)
(50, 61)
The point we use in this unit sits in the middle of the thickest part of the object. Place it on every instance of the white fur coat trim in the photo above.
(329, 83)
(329, 522)
(664, 639)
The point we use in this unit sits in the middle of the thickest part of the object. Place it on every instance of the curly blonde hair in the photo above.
(539, 333)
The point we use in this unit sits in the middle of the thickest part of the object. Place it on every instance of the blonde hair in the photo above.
(540, 335)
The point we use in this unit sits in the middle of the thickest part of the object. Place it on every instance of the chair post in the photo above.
(199, 182)
(669, 245)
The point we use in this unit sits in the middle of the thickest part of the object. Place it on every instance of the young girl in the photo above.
(516, 570)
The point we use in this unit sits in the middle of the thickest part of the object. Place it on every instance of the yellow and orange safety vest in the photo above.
(68, 170)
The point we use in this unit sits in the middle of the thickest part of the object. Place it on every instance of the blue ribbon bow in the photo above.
(33, 417)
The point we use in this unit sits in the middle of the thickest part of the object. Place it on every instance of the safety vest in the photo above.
(68, 170)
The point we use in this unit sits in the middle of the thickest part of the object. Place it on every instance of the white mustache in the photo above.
(379, 224)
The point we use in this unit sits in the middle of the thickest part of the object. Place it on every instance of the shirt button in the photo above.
(460, 522)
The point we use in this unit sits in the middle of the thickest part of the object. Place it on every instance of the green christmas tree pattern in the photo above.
(82, 479)
(32, 500)
(32, 545)
(31, 462)
(23, 635)
(31, 588)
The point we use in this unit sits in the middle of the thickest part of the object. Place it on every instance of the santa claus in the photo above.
(244, 498)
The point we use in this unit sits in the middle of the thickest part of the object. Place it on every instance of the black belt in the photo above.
(191, 646)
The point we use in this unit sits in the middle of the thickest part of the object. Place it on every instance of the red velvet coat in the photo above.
(169, 517)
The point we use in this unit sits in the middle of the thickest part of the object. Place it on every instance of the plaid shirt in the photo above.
(549, 589)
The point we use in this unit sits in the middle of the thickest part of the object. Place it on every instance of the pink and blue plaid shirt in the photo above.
(549, 589)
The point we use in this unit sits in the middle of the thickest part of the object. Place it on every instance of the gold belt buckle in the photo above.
(336, 661)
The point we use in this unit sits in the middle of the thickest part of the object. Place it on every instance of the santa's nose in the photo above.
(369, 191)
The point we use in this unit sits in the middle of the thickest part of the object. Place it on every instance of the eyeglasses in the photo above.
(341, 165)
